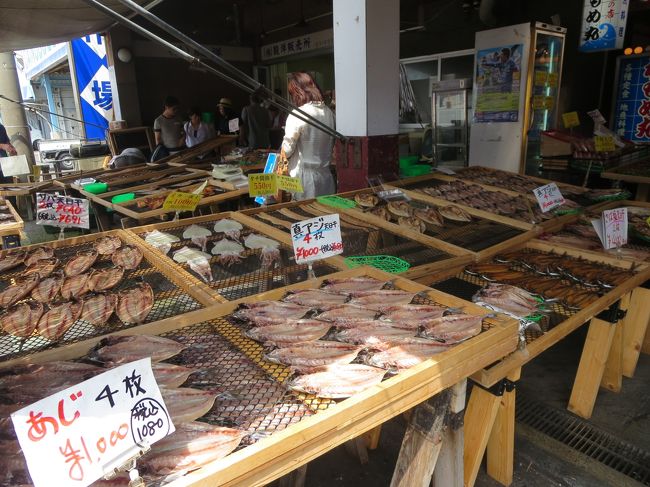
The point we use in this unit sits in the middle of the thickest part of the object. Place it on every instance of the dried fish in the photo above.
(314, 297)
(37, 254)
(411, 312)
(98, 309)
(405, 355)
(198, 235)
(18, 291)
(127, 257)
(430, 215)
(381, 212)
(231, 228)
(381, 298)
(347, 314)
(367, 200)
(169, 375)
(134, 304)
(399, 209)
(351, 284)
(229, 252)
(123, 349)
(75, 286)
(80, 263)
(11, 260)
(314, 354)
(21, 319)
(54, 323)
(265, 313)
(107, 245)
(413, 223)
(452, 329)
(47, 289)
(43, 267)
(202, 267)
(104, 279)
(186, 404)
(339, 381)
(456, 213)
(292, 331)
(161, 240)
(510, 299)
(378, 335)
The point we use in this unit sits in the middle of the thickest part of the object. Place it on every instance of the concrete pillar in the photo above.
(126, 102)
(13, 115)
(366, 61)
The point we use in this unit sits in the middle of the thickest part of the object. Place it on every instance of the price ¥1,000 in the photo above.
(304, 253)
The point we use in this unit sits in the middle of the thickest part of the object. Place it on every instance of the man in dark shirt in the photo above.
(6, 149)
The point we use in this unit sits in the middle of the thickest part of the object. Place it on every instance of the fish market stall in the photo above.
(249, 382)
(209, 151)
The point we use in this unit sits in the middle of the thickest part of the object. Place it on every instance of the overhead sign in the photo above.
(317, 238)
(612, 228)
(323, 39)
(548, 197)
(603, 24)
(78, 435)
(631, 118)
(181, 201)
(62, 211)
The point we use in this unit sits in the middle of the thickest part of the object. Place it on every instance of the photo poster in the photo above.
(498, 83)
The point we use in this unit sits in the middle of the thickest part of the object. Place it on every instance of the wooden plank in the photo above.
(612, 379)
(635, 327)
(480, 416)
(591, 368)
(449, 469)
(372, 438)
(645, 348)
(581, 254)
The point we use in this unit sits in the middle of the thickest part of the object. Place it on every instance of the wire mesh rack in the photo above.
(170, 300)
(234, 280)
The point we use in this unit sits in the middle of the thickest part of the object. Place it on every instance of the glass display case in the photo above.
(449, 114)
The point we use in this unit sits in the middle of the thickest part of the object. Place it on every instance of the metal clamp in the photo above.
(613, 314)
(504, 385)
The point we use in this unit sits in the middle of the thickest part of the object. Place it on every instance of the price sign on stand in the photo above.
(604, 143)
(612, 228)
(233, 125)
(262, 184)
(82, 433)
(61, 211)
(548, 197)
(287, 183)
(318, 238)
(181, 201)
(570, 120)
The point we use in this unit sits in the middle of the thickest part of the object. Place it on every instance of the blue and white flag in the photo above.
(93, 84)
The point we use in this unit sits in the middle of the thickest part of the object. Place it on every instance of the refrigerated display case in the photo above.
(449, 117)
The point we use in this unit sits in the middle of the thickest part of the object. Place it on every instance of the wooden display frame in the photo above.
(23, 189)
(188, 155)
(15, 227)
(284, 451)
(148, 133)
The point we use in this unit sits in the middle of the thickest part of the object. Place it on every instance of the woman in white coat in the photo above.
(308, 149)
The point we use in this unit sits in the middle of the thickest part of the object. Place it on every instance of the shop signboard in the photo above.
(82, 433)
(603, 24)
(323, 39)
(62, 211)
(317, 238)
(631, 118)
(612, 228)
(498, 84)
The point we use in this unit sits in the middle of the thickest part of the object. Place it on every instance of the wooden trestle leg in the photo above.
(636, 328)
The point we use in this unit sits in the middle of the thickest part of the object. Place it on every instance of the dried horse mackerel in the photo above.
(453, 328)
(351, 284)
(314, 297)
(346, 314)
(80, 263)
(98, 309)
(47, 289)
(127, 257)
(409, 312)
(264, 313)
(104, 279)
(378, 336)
(510, 299)
(338, 381)
(58, 320)
(40, 253)
(18, 291)
(43, 267)
(405, 355)
(314, 354)
(107, 245)
(75, 286)
(291, 332)
(134, 304)
(123, 349)
(381, 298)
(21, 319)
(185, 404)
(11, 260)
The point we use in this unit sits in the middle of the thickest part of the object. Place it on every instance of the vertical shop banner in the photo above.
(498, 83)
(603, 24)
(93, 84)
(631, 118)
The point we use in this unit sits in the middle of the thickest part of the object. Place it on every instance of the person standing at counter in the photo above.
(225, 115)
(168, 128)
(308, 149)
(196, 131)
(255, 125)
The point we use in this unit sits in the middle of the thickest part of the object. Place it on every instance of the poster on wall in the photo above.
(631, 118)
(603, 24)
(498, 83)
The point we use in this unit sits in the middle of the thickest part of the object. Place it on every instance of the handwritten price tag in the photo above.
(181, 201)
(570, 119)
(76, 436)
(262, 184)
(548, 197)
(604, 143)
(61, 211)
(612, 228)
(233, 125)
(287, 183)
(318, 238)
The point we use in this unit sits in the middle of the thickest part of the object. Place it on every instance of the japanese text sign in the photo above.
(318, 238)
(631, 118)
(604, 143)
(269, 167)
(292, 185)
(612, 228)
(323, 39)
(266, 184)
(548, 197)
(603, 24)
(233, 125)
(570, 119)
(61, 211)
(77, 435)
(181, 201)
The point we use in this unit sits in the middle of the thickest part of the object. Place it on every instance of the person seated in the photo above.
(196, 131)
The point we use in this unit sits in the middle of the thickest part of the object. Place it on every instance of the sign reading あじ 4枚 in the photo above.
(548, 197)
(318, 238)
(78, 435)
(61, 211)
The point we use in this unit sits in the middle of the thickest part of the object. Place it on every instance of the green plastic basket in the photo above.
(336, 201)
(623, 195)
(568, 211)
(386, 263)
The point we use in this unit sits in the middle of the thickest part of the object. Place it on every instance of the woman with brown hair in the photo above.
(308, 149)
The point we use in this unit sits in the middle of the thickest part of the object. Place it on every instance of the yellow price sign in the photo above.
(180, 201)
(538, 102)
(552, 80)
(292, 185)
(549, 102)
(262, 184)
(541, 78)
(570, 119)
(604, 143)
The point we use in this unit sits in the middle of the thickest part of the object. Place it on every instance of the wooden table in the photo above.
(642, 181)
(13, 227)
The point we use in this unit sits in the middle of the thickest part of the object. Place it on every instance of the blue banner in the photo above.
(632, 108)
(93, 84)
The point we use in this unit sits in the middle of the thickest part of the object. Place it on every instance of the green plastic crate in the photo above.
(386, 263)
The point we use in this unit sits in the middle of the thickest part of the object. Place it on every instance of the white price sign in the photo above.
(61, 211)
(548, 197)
(612, 228)
(76, 436)
(233, 125)
(318, 238)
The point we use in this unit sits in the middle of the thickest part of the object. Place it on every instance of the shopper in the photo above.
(255, 125)
(168, 128)
(309, 149)
(6, 149)
(224, 116)
(196, 131)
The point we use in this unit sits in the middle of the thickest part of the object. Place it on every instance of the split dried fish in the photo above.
(377, 335)
(18, 291)
(21, 319)
(47, 289)
(231, 228)
(75, 286)
(127, 257)
(43, 267)
(270, 312)
(411, 312)
(456, 213)
(55, 322)
(11, 260)
(169, 375)
(185, 404)
(510, 299)
(104, 279)
(228, 251)
(161, 240)
(399, 209)
(339, 381)
(107, 245)
(452, 329)
(379, 299)
(351, 284)
(367, 200)
(314, 354)
(347, 314)
(98, 309)
(381, 212)
(314, 297)
(403, 356)
(123, 349)
(198, 235)
(80, 263)
(297, 331)
(413, 223)
(134, 305)
(40, 253)
(431, 216)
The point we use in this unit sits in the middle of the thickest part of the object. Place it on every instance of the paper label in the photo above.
(604, 143)
(317, 238)
(614, 228)
(538, 102)
(76, 436)
(61, 211)
(549, 102)
(552, 80)
(570, 119)
(548, 197)
(541, 78)
(262, 184)
(287, 183)
(181, 201)
(233, 125)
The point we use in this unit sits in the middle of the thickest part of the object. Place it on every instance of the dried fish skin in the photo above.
(12, 260)
(351, 284)
(381, 298)
(104, 279)
(41, 253)
(55, 322)
(98, 309)
(290, 332)
(75, 286)
(346, 314)
(314, 354)
(80, 263)
(47, 289)
(339, 381)
(405, 355)
(18, 291)
(107, 245)
(134, 305)
(21, 319)
(185, 404)
(314, 297)
(452, 329)
(411, 311)
(43, 267)
(127, 257)
(128, 348)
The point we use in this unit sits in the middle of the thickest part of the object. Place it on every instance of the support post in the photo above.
(635, 329)
(449, 469)
(296, 478)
